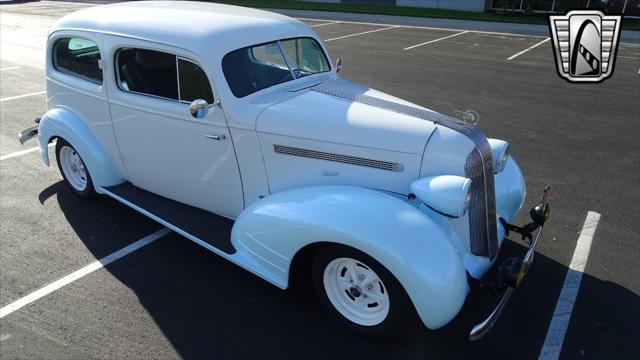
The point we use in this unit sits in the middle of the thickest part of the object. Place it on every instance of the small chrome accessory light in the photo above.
(499, 153)
(447, 194)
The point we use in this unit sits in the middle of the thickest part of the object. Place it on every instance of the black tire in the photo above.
(88, 191)
(400, 310)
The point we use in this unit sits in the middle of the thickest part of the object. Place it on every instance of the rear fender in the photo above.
(63, 123)
(403, 239)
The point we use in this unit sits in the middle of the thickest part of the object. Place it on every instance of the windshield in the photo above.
(254, 68)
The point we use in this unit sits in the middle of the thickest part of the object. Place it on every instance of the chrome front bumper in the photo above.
(539, 215)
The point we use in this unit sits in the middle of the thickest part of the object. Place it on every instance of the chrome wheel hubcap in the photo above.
(73, 168)
(356, 291)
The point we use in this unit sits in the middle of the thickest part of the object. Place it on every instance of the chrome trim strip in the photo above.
(340, 158)
(178, 78)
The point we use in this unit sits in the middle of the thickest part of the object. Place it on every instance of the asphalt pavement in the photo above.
(173, 299)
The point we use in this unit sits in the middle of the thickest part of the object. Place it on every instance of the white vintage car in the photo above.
(231, 127)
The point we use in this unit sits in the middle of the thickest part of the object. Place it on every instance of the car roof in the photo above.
(186, 24)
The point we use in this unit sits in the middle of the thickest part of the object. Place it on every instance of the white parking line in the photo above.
(436, 40)
(562, 313)
(22, 152)
(426, 28)
(22, 96)
(10, 68)
(525, 50)
(324, 24)
(98, 264)
(361, 33)
(18, 153)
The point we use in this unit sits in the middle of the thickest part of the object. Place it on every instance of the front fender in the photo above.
(63, 123)
(403, 239)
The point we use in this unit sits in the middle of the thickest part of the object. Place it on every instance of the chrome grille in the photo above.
(482, 208)
(345, 159)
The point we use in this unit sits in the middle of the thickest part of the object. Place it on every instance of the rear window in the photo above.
(258, 67)
(78, 57)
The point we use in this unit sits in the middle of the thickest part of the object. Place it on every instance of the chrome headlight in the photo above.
(499, 153)
(448, 194)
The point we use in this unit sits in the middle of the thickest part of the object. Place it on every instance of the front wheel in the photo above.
(73, 169)
(359, 292)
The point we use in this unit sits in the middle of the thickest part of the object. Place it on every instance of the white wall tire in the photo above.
(359, 292)
(73, 169)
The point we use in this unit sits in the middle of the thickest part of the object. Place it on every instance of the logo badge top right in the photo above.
(585, 44)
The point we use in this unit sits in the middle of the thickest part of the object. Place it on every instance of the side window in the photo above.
(147, 72)
(194, 83)
(78, 57)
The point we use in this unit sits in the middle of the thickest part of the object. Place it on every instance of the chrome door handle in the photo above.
(216, 137)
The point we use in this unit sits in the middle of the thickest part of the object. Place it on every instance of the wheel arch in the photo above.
(62, 123)
(281, 231)
(300, 266)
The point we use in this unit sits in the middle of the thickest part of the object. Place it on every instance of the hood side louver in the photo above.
(340, 158)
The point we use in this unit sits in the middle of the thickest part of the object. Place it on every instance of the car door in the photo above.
(166, 150)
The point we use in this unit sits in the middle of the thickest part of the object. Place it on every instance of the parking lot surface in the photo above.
(172, 299)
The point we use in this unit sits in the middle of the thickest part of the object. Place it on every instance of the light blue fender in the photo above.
(63, 123)
(399, 236)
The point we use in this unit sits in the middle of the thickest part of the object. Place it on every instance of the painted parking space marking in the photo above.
(362, 33)
(98, 264)
(564, 307)
(630, 44)
(22, 152)
(426, 27)
(527, 49)
(19, 153)
(324, 24)
(22, 96)
(436, 40)
(10, 68)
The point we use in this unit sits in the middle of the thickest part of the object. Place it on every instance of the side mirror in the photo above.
(338, 65)
(199, 108)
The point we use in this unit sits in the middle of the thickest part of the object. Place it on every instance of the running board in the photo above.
(207, 227)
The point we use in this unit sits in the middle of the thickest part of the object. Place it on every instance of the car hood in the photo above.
(319, 116)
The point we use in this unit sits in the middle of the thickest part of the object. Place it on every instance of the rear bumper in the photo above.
(512, 271)
(29, 133)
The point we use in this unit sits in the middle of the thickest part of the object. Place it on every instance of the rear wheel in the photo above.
(73, 169)
(359, 292)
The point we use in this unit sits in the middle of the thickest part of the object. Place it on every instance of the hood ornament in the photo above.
(470, 117)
